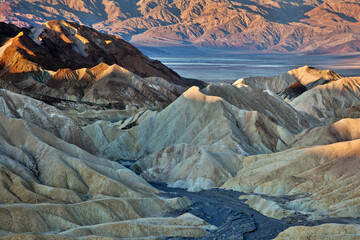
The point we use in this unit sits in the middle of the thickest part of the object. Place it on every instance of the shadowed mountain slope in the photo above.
(66, 61)
(7, 31)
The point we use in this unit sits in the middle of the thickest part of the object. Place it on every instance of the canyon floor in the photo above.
(234, 219)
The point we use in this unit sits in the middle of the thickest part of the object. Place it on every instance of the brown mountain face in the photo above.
(63, 44)
(67, 61)
(275, 26)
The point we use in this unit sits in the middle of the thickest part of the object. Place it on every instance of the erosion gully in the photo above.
(235, 219)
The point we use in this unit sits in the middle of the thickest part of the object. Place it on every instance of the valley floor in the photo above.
(226, 67)
(233, 218)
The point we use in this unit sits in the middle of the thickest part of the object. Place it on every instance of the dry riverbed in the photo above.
(235, 219)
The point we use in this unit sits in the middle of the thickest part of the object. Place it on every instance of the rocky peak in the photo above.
(60, 44)
(61, 60)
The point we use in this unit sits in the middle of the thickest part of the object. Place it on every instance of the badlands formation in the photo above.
(54, 181)
(70, 115)
(290, 154)
(54, 186)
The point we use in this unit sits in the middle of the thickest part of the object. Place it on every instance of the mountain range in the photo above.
(312, 26)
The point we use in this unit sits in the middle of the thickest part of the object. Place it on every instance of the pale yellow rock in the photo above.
(306, 76)
(104, 132)
(204, 168)
(322, 232)
(46, 117)
(142, 228)
(326, 176)
(51, 188)
(267, 207)
(186, 226)
(332, 101)
(211, 128)
(344, 130)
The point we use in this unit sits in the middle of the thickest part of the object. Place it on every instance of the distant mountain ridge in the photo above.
(315, 26)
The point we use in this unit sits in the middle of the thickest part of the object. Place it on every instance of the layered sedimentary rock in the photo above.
(289, 142)
(323, 179)
(52, 189)
(323, 94)
(331, 102)
(45, 117)
(293, 83)
(317, 173)
(320, 179)
(346, 129)
(325, 232)
(212, 128)
(289, 161)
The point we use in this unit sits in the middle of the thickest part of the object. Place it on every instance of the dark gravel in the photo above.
(235, 219)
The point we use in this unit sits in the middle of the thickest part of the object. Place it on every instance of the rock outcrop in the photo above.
(45, 117)
(289, 142)
(323, 94)
(60, 44)
(346, 129)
